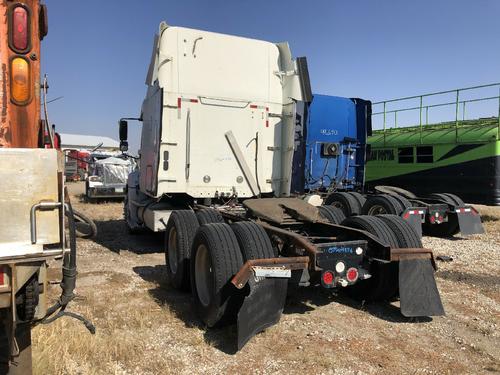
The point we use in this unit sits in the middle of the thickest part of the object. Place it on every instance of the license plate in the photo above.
(272, 272)
(119, 190)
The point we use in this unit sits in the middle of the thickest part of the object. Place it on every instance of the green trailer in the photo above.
(461, 156)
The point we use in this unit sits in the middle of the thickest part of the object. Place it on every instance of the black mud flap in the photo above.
(414, 217)
(469, 221)
(418, 291)
(261, 308)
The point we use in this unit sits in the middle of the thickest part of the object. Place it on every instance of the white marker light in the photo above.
(340, 267)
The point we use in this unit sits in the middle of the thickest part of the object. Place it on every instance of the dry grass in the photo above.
(144, 327)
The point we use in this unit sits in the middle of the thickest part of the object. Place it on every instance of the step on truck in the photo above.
(330, 161)
(214, 175)
(36, 217)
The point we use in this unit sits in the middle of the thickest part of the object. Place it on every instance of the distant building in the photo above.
(88, 142)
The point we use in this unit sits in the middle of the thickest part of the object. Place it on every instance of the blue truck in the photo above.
(330, 142)
(330, 156)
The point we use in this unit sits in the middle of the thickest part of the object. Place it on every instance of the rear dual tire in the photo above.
(406, 235)
(394, 232)
(384, 204)
(448, 198)
(179, 235)
(219, 251)
(209, 216)
(333, 214)
(253, 241)
(350, 203)
(216, 257)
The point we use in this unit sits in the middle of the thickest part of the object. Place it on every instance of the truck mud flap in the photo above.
(261, 308)
(418, 292)
(414, 217)
(469, 221)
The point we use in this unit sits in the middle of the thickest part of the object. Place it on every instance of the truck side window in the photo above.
(405, 155)
(425, 154)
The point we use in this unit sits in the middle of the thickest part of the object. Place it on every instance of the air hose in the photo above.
(68, 281)
(91, 228)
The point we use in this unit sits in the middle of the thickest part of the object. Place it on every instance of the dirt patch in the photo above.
(146, 327)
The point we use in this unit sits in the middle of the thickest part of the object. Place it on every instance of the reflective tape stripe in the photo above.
(179, 104)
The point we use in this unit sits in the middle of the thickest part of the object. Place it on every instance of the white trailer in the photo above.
(215, 169)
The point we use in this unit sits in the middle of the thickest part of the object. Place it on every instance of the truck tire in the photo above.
(403, 202)
(333, 214)
(130, 230)
(458, 201)
(384, 283)
(253, 240)
(179, 235)
(216, 257)
(443, 197)
(395, 190)
(88, 196)
(406, 235)
(345, 201)
(381, 204)
(373, 225)
(359, 197)
(209, 216)
(28, 299)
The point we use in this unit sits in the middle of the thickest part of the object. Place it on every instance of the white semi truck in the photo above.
(214, 175)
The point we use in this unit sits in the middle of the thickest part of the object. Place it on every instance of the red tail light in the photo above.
(19, 29)
(352, 274)
(327, 277)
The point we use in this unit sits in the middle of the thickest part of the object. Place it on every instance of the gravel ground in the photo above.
(145, 327)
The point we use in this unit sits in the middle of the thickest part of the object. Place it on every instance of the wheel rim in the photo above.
(377, 210)
(203, 275)
(172, 250)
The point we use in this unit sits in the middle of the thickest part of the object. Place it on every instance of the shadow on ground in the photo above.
(113, 235)
(84, 199)
(180, 303)
(474, 279)
(299, 301)
(302, 300)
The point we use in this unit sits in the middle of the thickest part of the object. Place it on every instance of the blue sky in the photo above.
(97, 52)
